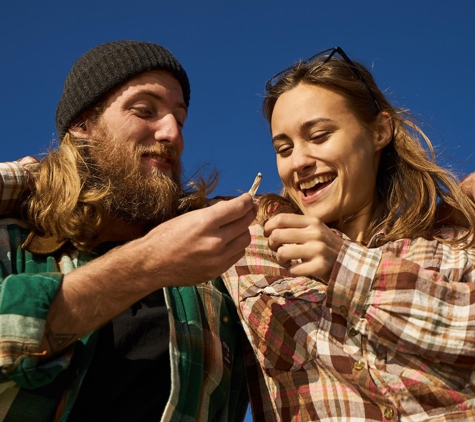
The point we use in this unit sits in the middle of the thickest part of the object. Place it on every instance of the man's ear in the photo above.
(383, 130)
(81, 127)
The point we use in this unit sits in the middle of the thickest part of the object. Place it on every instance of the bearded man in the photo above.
(103, 315)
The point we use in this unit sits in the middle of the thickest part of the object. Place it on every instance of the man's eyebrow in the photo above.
(304, 126)
(158, 97)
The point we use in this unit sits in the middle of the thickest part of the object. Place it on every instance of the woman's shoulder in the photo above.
(451, 232)
(449, 243)
(450, 235)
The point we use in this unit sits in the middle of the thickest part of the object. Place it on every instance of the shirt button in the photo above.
(225, 319)
(388, 413)
(358, 365)
(344, 311)
(352, 332)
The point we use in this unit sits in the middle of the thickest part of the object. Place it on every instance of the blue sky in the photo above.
(421, 53)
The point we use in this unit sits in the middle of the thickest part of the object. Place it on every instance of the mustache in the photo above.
(158, 149)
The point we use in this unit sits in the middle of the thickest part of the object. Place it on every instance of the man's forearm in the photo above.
(92, 295)
(185, 251)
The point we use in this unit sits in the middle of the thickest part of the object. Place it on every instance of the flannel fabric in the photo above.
(208, 379)
(390, 337)
(13, 182)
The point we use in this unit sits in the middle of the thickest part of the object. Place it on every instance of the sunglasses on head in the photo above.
(329, 53)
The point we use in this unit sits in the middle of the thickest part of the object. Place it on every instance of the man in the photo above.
(103, 316)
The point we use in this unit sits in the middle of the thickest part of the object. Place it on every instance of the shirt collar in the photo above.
(371, 244)
(42, 245)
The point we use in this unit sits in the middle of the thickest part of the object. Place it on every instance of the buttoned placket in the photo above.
(354, 346)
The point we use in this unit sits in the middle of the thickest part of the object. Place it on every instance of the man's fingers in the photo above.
(239, 243)
(238, 226)
(232, 253)
(225, 212)
(231, 261)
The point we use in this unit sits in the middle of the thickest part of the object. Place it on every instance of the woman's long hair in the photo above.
(68, 205)
(409, 182)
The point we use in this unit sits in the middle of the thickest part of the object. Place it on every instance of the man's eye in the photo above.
(143, 111)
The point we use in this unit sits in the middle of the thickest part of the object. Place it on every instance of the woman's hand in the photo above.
(304, 244)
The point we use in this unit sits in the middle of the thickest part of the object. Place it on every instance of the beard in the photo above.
(132, 195)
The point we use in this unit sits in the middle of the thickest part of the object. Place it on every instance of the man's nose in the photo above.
(168, 132)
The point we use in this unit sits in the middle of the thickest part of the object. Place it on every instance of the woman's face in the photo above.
(326, 158)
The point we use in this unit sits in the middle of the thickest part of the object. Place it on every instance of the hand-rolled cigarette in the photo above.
(255, 185)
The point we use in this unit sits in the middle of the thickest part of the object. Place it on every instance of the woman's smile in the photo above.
(313, 188)
(327, 159)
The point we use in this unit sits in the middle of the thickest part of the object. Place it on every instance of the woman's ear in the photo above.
(383, 130)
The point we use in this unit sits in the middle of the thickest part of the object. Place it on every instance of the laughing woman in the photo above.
(357, 308)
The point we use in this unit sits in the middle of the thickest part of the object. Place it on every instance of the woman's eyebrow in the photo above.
(279, 137)
(308, 124)
(303, 127)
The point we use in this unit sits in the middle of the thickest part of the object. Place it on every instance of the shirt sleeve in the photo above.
(282, 314)
(415, 296)
(14, 182)
(26, 299)
(28, 285)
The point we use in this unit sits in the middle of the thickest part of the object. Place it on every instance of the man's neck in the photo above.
(119, 230)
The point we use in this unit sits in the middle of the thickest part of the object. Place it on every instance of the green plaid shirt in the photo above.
(208, 380)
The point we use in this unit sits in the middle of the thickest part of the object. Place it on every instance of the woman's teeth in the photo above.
(315, 181)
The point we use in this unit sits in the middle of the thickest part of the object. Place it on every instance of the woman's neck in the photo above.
(355, 225)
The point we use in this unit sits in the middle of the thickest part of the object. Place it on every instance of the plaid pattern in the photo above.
(390, 337)
(208, 376)
(13, 182)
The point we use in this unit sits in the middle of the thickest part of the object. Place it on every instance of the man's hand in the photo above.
(200, 245)
(187, 250)
(304, 243)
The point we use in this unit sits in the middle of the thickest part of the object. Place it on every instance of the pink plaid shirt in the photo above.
(390, 337)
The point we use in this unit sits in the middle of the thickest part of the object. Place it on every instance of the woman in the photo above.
(356, 306)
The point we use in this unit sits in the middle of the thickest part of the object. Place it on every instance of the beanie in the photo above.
(106, 66)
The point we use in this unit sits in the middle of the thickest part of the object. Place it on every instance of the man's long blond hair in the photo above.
(409, 182)
(68, 205)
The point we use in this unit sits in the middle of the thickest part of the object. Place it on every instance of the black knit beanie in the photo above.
(106, 66)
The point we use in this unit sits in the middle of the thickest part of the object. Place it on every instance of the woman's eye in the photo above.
(319, 136)
(284, 152)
